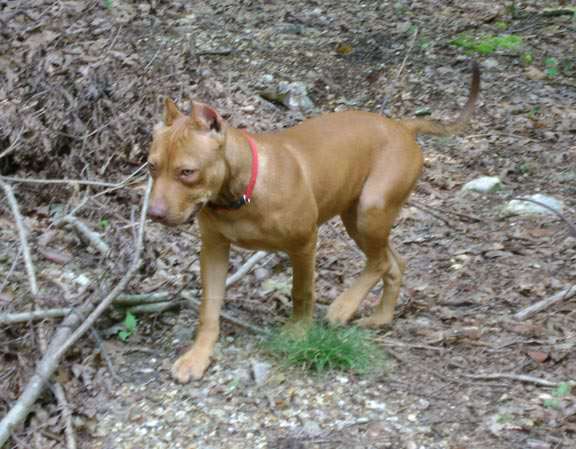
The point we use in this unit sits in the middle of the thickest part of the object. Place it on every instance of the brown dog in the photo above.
(271, 191)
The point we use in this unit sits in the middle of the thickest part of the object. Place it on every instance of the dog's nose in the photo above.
(157, 210)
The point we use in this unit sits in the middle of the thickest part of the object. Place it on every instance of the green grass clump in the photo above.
(327, 348)
(488, 44)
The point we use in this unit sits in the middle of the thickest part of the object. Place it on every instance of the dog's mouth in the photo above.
(192, 215)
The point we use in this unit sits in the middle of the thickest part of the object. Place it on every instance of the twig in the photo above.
(23, 238)
(394, 83)
(80, 182)
(390, 342)
(428, 209)
(244, 269)
(12, 146)
(215, 52)
(571, 226)
(518, 377)
(58, 181)
(11, 270)
(93, 238)
(142, 298)
(60, 394)
(21, 317)
(529, 311)
(65, 337)
(195, 304)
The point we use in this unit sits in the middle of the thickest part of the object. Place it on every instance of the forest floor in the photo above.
(80, 90)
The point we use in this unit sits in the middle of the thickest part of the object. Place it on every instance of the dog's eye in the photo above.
(187, 172)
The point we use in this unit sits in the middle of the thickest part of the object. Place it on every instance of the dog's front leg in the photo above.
(213, 267)
(303, 295)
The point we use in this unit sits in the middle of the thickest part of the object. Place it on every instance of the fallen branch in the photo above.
(142, 298)
(155, 302)
(65, 336)
(519, 377)
(390, 90)
(39, 314)
(60, 394)
(12, 146)
(529, 311)
(245, 269)
(429, 209)
(92, 237)
(195, 304)
(23, 238)
(571, 226)
(80, 182)
(58, 181)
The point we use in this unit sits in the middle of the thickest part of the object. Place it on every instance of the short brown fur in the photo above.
(358, 165)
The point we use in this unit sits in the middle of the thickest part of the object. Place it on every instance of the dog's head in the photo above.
(186, 162)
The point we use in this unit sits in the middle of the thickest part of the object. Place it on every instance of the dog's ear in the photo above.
(171, 111)
(206, 118)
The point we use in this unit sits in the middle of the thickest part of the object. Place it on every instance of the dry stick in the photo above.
(428, 209)
(519, 377)
(23, 239)
(529, 311)
(571, 226)
(10, 318)
(195, 304)
(244, 269)
(11, 270)
(93, 238)
(192, 301)
(60, 396)
(64, 338)
(108, 185)
(394, 83)
(58, 181)
(123, 300)
(12, 147)
(155, 302)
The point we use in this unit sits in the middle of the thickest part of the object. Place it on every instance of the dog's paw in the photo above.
(339, 313)
(374, 322)
(190, 367)
(296, 329)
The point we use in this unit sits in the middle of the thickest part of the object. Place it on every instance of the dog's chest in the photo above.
(268, 234)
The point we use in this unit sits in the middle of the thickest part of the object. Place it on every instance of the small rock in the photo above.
(535, 74)
(484, 184)
(422, 111)
(519, 207)
(292, 95)
(267, 79)
(260, 371)
(261, 273)
(490, 63)
(312, 428)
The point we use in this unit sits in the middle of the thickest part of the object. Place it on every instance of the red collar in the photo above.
(247, 196)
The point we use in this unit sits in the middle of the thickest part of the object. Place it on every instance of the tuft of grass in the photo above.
(488, 44)
(327, 348)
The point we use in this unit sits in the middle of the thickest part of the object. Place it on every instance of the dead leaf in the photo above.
(538, 356)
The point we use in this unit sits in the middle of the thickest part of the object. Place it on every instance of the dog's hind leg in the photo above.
(369, 222)
(369, 229)
(384, 311)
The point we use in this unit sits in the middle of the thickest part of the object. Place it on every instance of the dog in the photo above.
(271, 191)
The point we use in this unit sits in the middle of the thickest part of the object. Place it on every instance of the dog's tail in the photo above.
(436, 128)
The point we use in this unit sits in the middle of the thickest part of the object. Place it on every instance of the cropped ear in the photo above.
(206, 118)
(171, 111)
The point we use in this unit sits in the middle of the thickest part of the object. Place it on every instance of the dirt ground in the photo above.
(79, 95)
